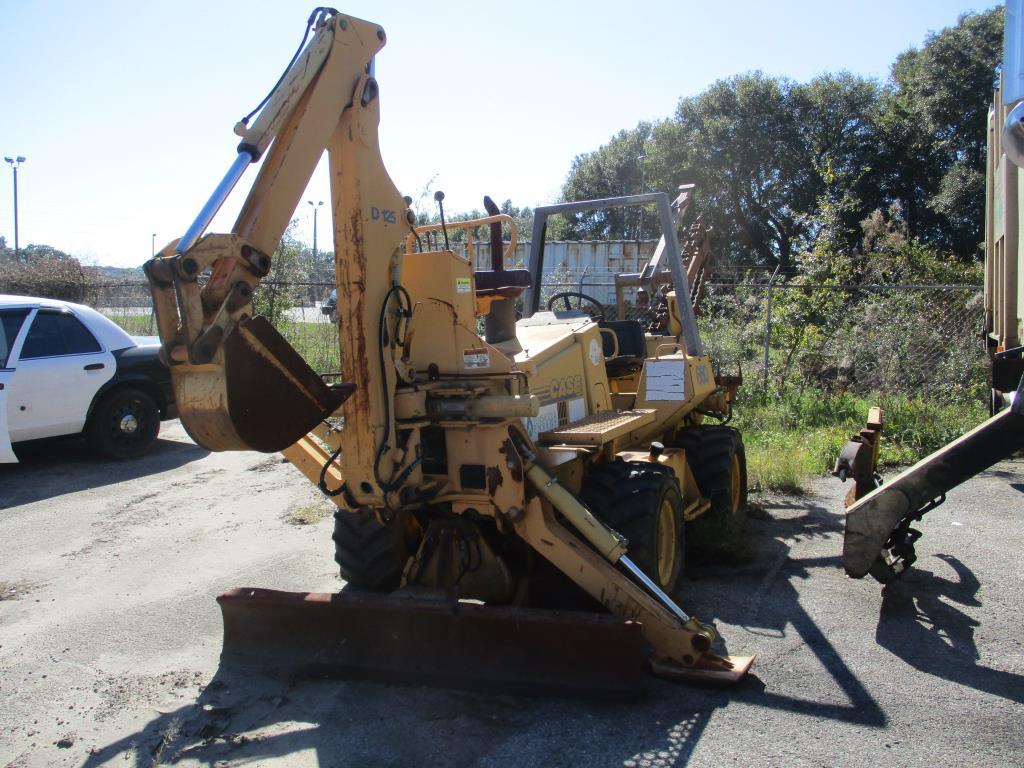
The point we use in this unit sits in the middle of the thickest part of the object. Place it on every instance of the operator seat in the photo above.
(632, 346)
(502, 283)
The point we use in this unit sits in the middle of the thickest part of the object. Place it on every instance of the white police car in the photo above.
(65, 369)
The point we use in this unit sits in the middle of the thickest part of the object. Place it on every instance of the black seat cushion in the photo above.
(632, 345)
(489, 281)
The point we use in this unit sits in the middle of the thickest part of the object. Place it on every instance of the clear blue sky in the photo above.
(124, 110)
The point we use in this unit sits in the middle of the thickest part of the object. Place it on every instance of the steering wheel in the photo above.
(595, 308)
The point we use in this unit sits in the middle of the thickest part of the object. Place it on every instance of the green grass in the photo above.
(136, 325)
(791, 439)
(316, 342)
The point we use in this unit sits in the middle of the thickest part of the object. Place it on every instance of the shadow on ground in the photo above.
(51, 468)
(761, 596)
(919, 624)
(249, 719)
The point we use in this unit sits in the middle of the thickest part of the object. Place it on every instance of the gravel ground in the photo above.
(109, 637)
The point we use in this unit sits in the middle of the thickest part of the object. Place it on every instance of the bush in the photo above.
(40, 270)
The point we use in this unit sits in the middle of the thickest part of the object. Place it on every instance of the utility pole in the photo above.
(768, 327)
(14, 163)
(316, 206)
(152, 248)
(643, 188)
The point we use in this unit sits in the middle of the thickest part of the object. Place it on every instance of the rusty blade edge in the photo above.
(717, 671)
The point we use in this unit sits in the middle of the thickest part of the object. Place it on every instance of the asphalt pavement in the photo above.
(927, 671)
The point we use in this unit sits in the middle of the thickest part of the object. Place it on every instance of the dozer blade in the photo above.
(871, 521)
(412, 639)
(263, 398)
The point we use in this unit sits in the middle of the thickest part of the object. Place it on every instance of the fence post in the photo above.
(768, 327)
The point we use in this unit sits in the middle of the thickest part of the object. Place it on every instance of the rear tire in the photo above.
(642, 502)
(369, 555)
(124, 424)
(719, 465)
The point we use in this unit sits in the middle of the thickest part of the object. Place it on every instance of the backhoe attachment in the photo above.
(238, 384)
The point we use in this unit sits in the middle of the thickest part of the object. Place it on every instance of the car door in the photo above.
(59, 368)
(11, 321)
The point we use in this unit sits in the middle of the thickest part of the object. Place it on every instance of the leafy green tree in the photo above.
(610, 171)
(764, 153)
(783, 167)
(935, 131)
(279, 290)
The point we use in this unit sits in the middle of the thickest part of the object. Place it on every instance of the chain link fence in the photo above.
(892, 339)
(912, 340)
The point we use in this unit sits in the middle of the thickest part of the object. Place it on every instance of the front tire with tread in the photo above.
(369, 555)
(642, 501)
(718, 461)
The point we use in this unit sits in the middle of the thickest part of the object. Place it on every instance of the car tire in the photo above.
(124, 424)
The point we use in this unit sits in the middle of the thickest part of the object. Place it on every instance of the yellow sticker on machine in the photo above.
(463, 285)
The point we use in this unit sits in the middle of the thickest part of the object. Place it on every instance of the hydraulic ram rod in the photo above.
(604, 539)
(220, 194)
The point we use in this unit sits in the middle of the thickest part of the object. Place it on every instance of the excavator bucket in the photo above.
(264, 397)
(407, 637)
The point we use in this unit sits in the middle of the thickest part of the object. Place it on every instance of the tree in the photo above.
(610, 171)
(279, 290)
(765, 154)
(935, 131)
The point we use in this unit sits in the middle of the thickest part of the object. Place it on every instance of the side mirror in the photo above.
(1013, 135)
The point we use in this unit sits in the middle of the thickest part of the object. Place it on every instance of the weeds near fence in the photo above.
(798, 435)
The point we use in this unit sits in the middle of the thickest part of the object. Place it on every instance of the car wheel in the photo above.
(124, 424)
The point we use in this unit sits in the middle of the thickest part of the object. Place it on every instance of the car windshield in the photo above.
(10, 324)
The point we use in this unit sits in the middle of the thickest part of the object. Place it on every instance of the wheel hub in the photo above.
(128, 425)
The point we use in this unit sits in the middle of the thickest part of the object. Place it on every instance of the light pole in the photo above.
(152, 247)
(15, 162)
(643, 187)
(316, 206)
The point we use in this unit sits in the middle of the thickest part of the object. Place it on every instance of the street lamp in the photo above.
(15, 162)
(643, 188)
(315, 207)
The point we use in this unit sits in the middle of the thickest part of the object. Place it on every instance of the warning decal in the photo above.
(478, 357)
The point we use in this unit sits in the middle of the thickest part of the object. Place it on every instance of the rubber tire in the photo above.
(710, 451)
(369, 555)
(628, 497)
(103, 431)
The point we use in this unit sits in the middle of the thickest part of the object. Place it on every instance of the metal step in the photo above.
(599, 428)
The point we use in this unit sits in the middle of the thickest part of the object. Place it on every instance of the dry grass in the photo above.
(309, 514)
